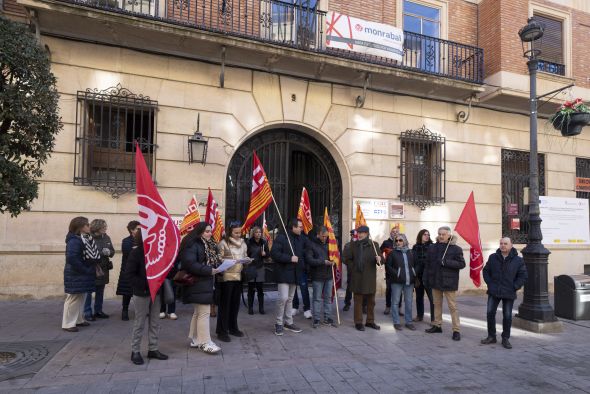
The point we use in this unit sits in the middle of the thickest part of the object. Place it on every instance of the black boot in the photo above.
(260, 301)
(251, 291)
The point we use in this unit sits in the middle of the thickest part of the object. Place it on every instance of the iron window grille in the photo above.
(422, 168)
(515, 178)
(582, 171)
(108, 122)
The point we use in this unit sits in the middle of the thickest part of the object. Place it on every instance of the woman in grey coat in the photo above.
(98, 229)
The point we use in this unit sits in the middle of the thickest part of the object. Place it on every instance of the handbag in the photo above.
(99, 271)
(168, 292)
(109, 265)
(183, 278)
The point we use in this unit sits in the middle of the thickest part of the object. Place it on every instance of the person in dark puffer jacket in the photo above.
(441, 273)
(79, 275)
(420, 250)
(199, 257)
(317, 257)
(504, 273)
(144, 307)
(123, 285)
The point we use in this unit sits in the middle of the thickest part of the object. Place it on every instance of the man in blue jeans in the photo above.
(504, 274)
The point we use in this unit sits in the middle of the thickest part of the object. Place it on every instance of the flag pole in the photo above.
(335, 295)
(447, 248)
(283, 223)
(374, 248)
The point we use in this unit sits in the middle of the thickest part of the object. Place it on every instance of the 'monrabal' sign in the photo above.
(358, 35)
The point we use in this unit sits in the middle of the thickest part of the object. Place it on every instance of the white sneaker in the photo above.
(307, 314)
(209, 348)
(294, 311)
(162, 315)
(172, 316)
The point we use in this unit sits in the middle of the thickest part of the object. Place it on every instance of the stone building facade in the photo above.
(254, 78)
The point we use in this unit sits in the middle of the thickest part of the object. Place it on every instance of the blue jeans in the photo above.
(304, 293)
(99, 296)
(506, 315)
(396, 293)
(322, 289)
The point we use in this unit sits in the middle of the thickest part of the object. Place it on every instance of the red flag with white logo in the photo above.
(468, 227)
(213, 218)
(161, 237)
(261, 196)
(304, 212)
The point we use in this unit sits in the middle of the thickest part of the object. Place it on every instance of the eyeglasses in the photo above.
(399, 240)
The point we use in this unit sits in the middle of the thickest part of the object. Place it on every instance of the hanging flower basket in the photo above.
(571, 117)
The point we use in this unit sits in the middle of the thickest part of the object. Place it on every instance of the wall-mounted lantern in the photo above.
(197, 146)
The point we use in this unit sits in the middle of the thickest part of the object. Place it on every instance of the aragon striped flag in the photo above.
(304, 212)
(333, 252)
(261, 196)
(265, 232)
(191, 217)
(358, 221)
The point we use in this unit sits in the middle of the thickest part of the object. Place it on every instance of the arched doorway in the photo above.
(291, 160)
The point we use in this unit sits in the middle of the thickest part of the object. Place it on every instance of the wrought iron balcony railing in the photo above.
(550, 67)
(298, 24)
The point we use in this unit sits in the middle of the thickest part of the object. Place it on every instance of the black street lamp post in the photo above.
(535, 309)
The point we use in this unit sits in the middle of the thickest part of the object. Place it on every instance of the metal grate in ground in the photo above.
(21, 359)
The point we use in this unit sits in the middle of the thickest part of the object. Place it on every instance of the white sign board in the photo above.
(565, 220)
(376, 209)
(358, 35)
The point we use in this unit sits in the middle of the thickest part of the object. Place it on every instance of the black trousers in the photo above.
(229, 306)
(420, 290)
(126, 302)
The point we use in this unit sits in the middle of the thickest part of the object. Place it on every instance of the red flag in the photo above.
(261, 196)
(333, 252)
(191, 217)
(468, 227)
(160, 235)
(304, 212)
(213, 218)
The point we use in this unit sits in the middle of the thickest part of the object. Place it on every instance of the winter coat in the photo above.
(193, 259)
(124, 284)
(361, 262)
(443, 275)
(420, 257)
(135, 272)
(79, 274)
(233, 250)
(254, 272)
(504, 276)
(103, 241)
(316, 255)
(395, 267)
(286, 271)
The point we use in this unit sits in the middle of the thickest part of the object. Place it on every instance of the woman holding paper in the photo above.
(199, 257)
(233, 248)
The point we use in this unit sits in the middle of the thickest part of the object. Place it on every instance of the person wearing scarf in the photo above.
(79, 272)
(231, 247)
(400, 269)
(362, 259)
(200, 258)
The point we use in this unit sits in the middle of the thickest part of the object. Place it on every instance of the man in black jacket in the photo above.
(317, 257)
(504, 274)
(288, 255)
(441, 274)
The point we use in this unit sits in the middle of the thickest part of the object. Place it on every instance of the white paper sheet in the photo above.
(227, 264)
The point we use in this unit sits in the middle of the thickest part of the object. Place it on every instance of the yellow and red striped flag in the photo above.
(261, 196)
(191, 218)
(304, 212)
(358, 221)
(265, 232)
(213, 218)
(333, 253)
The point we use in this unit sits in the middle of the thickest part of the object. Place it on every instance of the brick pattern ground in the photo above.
(327, 359)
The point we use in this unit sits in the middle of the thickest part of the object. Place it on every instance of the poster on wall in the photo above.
(361, 36)
(378, 209)
(566, 221)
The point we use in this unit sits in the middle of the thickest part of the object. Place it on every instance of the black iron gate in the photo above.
(291, 160)
(515, 178)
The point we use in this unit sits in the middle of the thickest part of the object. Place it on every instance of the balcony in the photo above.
(295, 25)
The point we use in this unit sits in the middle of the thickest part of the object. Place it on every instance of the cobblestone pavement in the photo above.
(327, 359)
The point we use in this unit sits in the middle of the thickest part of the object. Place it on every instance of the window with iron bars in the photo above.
(108, 122)
(422, 168)
(515, 178)
(582, 171)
